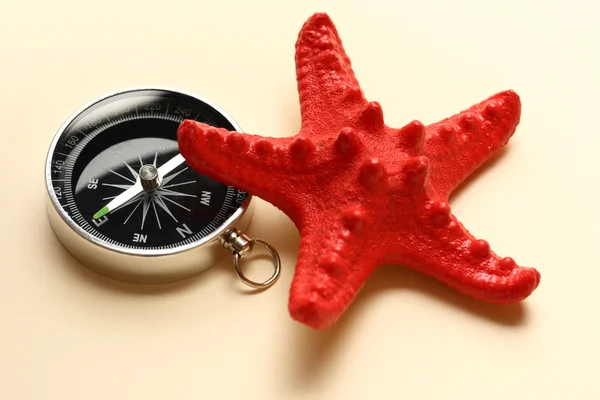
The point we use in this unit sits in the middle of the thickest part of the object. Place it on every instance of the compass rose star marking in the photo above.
(162, 205)
(169, 178)
(133, 171)
(156, 214)
(365, 194)
(132, 211)
(124, 177)
(163, 197)
(178, 184)
(151, 200)
(145, 208)
(167, 192)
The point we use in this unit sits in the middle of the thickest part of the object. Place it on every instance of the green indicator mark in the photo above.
(101, 213)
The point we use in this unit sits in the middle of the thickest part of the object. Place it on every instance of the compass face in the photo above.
(99, 154)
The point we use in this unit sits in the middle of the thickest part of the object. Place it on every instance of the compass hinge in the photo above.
(236, 242)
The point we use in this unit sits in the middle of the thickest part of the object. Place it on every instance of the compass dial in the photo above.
(101, 152)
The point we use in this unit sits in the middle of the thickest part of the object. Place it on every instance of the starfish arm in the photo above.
(458, 145)
(333, 265)
(328, 89)
(242, 160)
(445, 250)
(363, 194)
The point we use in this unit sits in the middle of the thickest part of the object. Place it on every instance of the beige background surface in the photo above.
(66, 333)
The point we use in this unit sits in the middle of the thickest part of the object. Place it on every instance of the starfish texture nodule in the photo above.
(363, 194)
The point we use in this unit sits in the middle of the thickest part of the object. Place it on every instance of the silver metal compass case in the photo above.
(140, 265)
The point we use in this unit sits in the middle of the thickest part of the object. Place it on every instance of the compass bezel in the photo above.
(212, 237)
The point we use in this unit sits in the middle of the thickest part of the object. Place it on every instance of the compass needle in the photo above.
(101, 213)
(118, 186)
(121, 199)
(130, 202)
(115, 165)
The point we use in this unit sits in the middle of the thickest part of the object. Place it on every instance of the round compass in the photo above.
(123, 200)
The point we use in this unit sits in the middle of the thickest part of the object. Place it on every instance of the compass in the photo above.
(124, 202)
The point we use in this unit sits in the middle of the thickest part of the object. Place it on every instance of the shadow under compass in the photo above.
(274, 227)
(94, 277)
(81, 272)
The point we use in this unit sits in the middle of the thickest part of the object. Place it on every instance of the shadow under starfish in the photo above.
(363, 194)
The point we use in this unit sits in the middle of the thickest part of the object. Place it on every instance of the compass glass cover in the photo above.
(99, 155)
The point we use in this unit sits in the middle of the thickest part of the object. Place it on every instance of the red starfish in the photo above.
(363, 194)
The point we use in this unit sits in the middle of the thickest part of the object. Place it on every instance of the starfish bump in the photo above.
(363, 194)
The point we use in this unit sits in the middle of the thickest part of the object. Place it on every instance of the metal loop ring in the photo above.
(268, 282)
